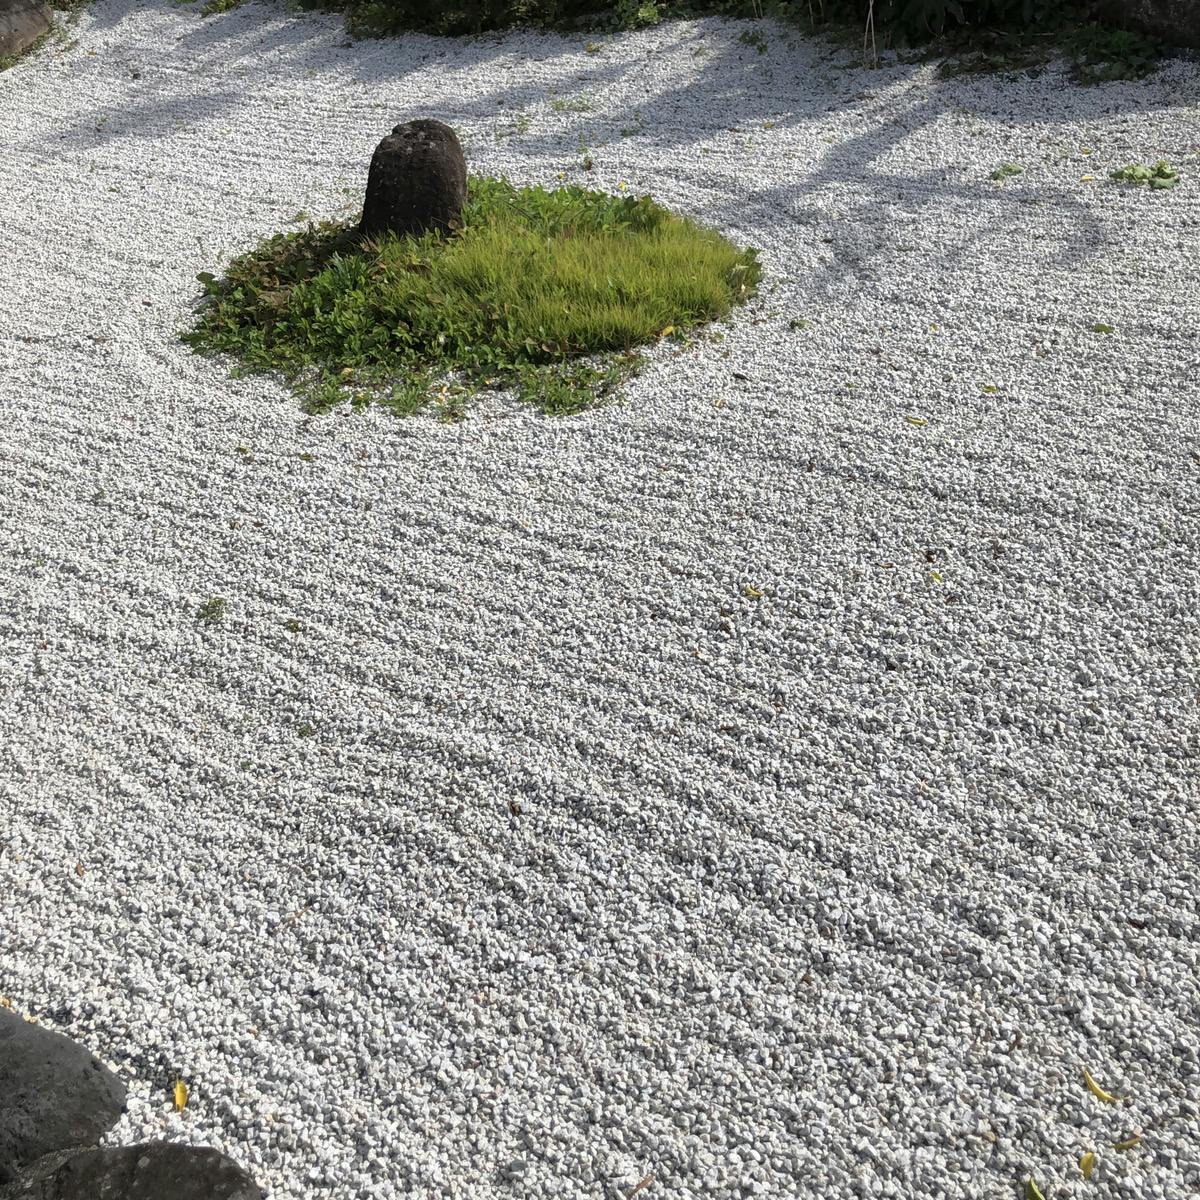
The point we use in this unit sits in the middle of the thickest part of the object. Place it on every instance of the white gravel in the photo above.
(828, 893)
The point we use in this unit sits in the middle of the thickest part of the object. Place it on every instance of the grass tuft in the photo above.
(549, 292)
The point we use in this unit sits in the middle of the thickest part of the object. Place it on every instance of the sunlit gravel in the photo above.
(782, 782)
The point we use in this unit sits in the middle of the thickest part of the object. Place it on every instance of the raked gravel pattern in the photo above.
(543, 857)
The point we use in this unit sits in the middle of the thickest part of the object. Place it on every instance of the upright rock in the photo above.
(53, 1094)
(22, 22)
(417, 181)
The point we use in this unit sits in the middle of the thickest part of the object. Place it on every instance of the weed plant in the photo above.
(548, 292)
(1161, 176)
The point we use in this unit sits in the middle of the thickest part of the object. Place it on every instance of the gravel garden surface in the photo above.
(783, 781)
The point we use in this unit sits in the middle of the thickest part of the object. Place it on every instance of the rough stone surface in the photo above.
(53, 1094)
(417, 180)
(151, 1171)
(22, 22)
(1175, 21)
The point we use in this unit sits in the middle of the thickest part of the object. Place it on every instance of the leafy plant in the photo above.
(1160, 176)
(752, 37)
(212, 611)
(572, 104)
(549, 292)
(633, 14)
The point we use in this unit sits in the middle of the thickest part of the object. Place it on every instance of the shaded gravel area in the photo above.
(782, 782)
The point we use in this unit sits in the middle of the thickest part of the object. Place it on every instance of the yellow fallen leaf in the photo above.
(1087, 1164)
(1032, 1191)
(990, 388)
(936, 576)
(670, 329)
(181, 1095)
(1086, 178)
(1128, 1143)
(752, 592)
(915, 420)
(1097, 1090)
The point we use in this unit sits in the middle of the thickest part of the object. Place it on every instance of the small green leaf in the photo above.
(1032, 1191)
(1100, 327)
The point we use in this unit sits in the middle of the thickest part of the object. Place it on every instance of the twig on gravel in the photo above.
(644, 1182)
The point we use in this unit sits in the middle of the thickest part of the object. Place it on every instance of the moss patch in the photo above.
(548, 292)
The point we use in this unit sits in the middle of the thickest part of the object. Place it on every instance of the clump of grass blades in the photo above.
(549, 292)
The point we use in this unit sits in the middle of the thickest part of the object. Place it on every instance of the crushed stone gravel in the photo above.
(500, 839)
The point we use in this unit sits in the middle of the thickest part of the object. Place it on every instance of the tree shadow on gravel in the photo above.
(769, 105)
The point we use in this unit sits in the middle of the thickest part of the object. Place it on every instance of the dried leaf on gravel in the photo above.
(181, 1095)
(1087, 1164)
(1032, 1191)
(1097, 1090)
(1128, 1143)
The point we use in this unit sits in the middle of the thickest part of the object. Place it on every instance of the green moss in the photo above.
(549, 292)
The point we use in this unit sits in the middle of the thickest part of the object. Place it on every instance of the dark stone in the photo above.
(22, 22)
(150, 1171)
(53, 1094)
(1174, 21)
(417, 181)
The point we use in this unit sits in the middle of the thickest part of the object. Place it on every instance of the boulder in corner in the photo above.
(417, 181)
(150, 1171)
(54, 1095)
(22, 22)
